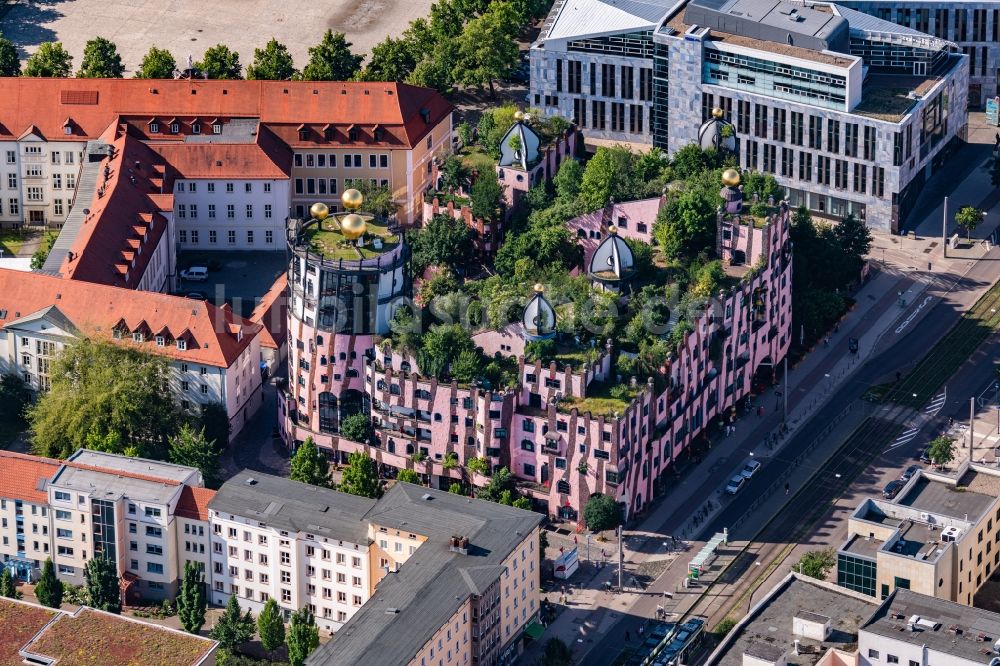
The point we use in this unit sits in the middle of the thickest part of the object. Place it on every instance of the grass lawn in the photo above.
(97, 639)
(18, 623)
(598, 402)
(332, 244)
(473, 157)
(576, 357)
(11, 241)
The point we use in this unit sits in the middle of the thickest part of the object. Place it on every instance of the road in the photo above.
(897, 351)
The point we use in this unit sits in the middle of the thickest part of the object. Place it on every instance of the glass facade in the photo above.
(629, 44)
(856, 573)
(798, 84)
(661, 96)
(898, 58)
(103, 516)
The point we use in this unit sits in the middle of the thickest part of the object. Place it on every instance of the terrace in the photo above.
(890, 97)
(602, 399)
(327, 239)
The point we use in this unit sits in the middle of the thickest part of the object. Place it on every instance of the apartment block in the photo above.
(939, 537)
(26, 528)
(810, 92)
(213, 354)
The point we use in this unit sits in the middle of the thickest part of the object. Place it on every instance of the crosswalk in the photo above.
(936, 403)
(904, 438)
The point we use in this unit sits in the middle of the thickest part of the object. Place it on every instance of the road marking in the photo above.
(905, 437)
(936, 403)
(913, 315)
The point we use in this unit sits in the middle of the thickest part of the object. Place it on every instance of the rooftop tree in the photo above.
(444, 241)
(331, 59)
(101, 60)
(51, 60)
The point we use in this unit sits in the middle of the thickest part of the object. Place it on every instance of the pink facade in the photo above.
(517, 181)
(634, 220)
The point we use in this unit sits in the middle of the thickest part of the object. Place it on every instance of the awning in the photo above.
(534, 631)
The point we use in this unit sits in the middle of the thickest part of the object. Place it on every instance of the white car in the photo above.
(735, 484)
(750, 469)
(195, 274)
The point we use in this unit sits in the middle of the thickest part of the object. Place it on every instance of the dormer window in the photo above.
(196, 128)
(175, 128)
(116, 334)
(328, 133)
(154, 128)
(216, 128)
(137, 336)
(160, 341)
(182, 345)
(378, 133)
(352, 134)
(303, 134)
(67, 129)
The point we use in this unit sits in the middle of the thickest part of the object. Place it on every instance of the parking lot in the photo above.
(237, 278)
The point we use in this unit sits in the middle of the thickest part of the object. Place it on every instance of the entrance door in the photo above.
(36, 217)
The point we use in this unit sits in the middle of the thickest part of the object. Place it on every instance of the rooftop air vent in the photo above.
(428, 496)
(251, 481)
(392, 611)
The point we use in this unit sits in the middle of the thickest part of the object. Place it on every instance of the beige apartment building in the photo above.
(939, 537)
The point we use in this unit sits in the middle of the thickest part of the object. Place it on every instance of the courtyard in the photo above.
(235, 277)
(185, 28)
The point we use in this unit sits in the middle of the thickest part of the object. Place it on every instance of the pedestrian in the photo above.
(640, 631)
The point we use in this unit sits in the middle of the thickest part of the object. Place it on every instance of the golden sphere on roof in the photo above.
(352, 199)
(352, 226)
(319, 211)
(731, 177)
(613, 229)
(716, 112)
(519, 115)
(538, 288)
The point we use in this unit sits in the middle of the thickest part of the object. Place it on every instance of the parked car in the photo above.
(196, 296)
(909, 472)
(750, 468)
(925, 457)
(892, 489)
(735, 484)
(195, 274)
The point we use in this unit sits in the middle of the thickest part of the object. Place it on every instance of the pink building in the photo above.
(525, 160)
(550, 429)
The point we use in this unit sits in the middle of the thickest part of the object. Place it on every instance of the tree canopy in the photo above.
(331, 59)
(390, 60)
(356, 427)
(270, 626)
(941, 450)
(191, 601)
(190, 448)
(10, 62)
(101, 60)
(360, 477)
(303, 637)
(8, 588)
(233, 628)
(102, 584)
(486, 196)
(49, 589)
(408, 476)
(817, 563)
(309, 465)
(219, 62)
(105, 397)
(602, 512)
(157, 64)
(969, 217)
(486, 49)
(273, 62)
(51, 60)
(444, 241)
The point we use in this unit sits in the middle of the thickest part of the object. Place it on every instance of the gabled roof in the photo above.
(96, 309)
(193, 503)
(24, 477)
(94, 104)
(578, 19)
(271, 312)
(265, 158)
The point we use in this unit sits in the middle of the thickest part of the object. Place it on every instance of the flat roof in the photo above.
(962, 632)
(944, 499)
(144, 466)
(767, 631)
(862, 546)
(100, 484)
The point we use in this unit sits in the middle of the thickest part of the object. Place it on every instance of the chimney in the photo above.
(796, 646)
(463, 545)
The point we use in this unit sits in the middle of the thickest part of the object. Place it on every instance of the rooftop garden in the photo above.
(327, 238)
(20, 622)
(884, 103)
(96, 639)
(602, 399)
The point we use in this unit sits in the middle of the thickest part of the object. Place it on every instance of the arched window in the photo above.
(380, 385)
(437, 417)
(328, 412)
(409, 449)
(394, 389)
(391, 446)
(319, 339)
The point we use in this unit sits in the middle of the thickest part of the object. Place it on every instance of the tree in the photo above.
(764, 185)
(331, 59)
(556, 653)
(10, 63)
(219, 62)
(379, 200)
(444, 241)
(969, 217)
(309, 465)
(486, 48)
(391, 60)
(941, 451)
(273, 63)
(303, 637)
(270, 626)
(51, 60)
(189, 447)
(7, 586)
(49, 589)
(214, 422)
(441, 347)
(157, 64)
(101, 60)
(233, 629)
(568, 180)
(601, 513)
(501, 482)
(543, 544)
(522, 503)
(102, 584)
(361, 477)
(191, 601)
(456, 489)
(685, 226)
(478, 465)
(609, 174)
(817, 563)
(408, 476)
(486, 196)
(105, 397)
(15, 395)
(356, 427)
(692, 160)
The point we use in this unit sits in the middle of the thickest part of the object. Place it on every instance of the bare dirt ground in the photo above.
(188, 27)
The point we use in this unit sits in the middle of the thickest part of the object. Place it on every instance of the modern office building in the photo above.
(974, 26)
(851, 113)
(938, 537)
(214, 355)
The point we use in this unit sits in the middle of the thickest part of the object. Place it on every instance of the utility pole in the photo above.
(944, 228)
(972, 425)
(784, 394)
(621, 559)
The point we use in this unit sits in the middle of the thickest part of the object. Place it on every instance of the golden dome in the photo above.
(538, 288)
(352, 226)
(731, 177)
(352, 199)
(319, 211)
(716, 112)
(613, 229)
(519, 115)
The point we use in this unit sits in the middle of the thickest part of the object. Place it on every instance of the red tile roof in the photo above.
(325, 108)
(21, 476)
(193, 503)
(272, 313)
(96, 310)
(266, 158)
